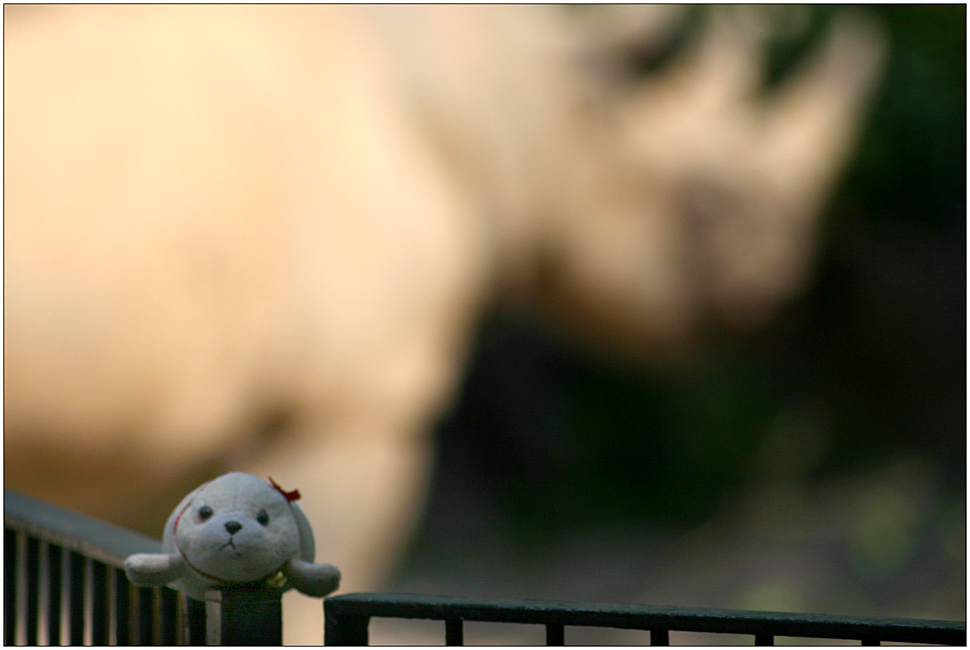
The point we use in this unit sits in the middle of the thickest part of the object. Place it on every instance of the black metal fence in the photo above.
(348, 616)
(64, 583)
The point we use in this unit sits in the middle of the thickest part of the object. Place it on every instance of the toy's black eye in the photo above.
(262, 517)
(205, 512)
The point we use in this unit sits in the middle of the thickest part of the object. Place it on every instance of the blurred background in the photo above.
(819, 466)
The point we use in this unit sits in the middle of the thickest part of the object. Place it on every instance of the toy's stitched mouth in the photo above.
(230, 543)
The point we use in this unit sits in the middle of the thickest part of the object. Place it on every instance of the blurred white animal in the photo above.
(259, 238)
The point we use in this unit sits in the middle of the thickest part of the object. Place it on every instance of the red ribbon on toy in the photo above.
(290, 496)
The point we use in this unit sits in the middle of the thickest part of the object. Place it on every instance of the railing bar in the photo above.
(88, 582)
(20, 607)
(76, 598)
(182, 631)
(33, 590)
(250, 616)
(195, 612)
(156, 605)
(145, 617)
(660, 637)
(55, 592)
(115, 597)
(65, 597)
(134, 630)
(168, 611)
(101, 613)
(121, 607)
(454, 631)
(555, 634)
(111, 613)
(647, 618)
(136, 627)
(86, 536)
(42, 579)
(10, 584)
(344, 628)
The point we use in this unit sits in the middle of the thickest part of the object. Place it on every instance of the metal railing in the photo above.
(348, 616)
(65, 584)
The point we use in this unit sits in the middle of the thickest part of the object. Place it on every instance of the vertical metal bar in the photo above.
(168, 612)
(121, 608)
(454, 631)
(76, 627)
(195, 613)
(136, 616)
(43, 580)
(182, 622)
(213, 619)
(99, 603)
(156, 607)
(244, 616)
(55, 593)
(134, 631)
(33, 589)
(764, 639)
(344, 629)
(9, 587)
(146, 615)
(65, 597)
(555, 634)
(20, 595)
(141, 615)
(659, 637)
(111, 606)
(87, 597)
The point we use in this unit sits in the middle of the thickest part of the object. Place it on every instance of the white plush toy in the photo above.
(235, 529)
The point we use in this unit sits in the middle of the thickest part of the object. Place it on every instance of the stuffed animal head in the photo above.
(238, 528)
(235, 529)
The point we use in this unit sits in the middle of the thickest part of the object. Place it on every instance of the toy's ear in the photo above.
(315, 580)
(154, 569)
(307, 546)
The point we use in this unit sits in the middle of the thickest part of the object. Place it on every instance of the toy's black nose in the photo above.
(233, 527)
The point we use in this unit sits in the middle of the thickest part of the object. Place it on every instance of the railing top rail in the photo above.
(648, 617)
(92, 538)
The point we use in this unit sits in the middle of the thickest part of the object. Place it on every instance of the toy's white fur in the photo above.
(259, 237)
(234, 529)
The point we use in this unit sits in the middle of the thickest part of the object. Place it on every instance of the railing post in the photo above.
(194, 621)
(33, 589)
(77, 589)
(454, 631)
(244, 616)
(344, 629)
(555, 634)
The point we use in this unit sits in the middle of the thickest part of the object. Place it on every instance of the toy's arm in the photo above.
(315, 580)
(154, 569)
